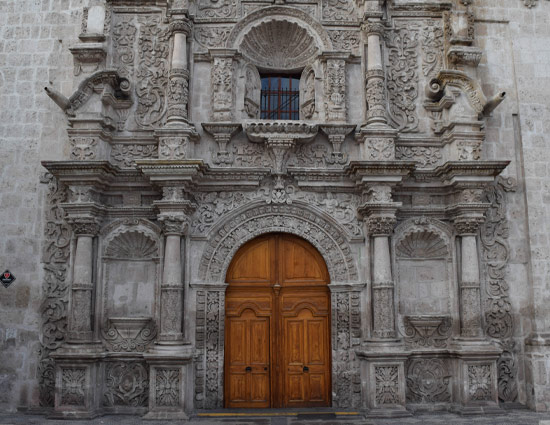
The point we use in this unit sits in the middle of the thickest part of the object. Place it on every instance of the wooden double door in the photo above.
(277, 339)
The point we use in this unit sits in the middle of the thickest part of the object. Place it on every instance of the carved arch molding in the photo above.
(257, 219)
(224, 241)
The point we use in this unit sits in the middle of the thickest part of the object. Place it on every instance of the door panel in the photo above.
(247, 366)
(277, 325)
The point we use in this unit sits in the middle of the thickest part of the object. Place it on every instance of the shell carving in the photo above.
(132, 245)
(279, 44)
(422, 244)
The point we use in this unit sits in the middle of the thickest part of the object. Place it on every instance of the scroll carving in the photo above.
(499, 321)
(346, 336)
(402, 77)
(55, 287)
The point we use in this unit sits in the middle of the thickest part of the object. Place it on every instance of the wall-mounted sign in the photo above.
(7, 278)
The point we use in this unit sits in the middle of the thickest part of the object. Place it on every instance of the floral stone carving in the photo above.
(132, 334)
(73, 381)
(127, 384)
(428, 381)
(386, 385)
(167, 387)
(427, 331)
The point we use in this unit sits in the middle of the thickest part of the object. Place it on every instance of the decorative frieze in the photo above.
(212, 37)
(425, 156)
(124, 155)
(381, 225)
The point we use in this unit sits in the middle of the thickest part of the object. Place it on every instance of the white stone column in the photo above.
(82, 287)
(470, 295)
(171, 290)
(178, 86)
(383, 325)
(375, 86)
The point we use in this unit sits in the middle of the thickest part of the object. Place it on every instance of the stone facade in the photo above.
(418, 170)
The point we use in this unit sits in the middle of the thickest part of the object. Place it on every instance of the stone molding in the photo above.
(257, 218)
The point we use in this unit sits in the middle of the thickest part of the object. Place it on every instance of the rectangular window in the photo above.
(280, 98)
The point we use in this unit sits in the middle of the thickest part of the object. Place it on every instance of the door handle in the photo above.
(248, 369)
(306, 369)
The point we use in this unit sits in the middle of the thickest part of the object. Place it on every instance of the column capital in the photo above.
(174, 225)
(180, 25)
(373, 27)
(467, 225)
(84, 226)
(380, 225)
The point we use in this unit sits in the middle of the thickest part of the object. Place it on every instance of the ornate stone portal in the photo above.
(156, 207)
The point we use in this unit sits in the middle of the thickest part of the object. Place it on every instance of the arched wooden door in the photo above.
(277, 325)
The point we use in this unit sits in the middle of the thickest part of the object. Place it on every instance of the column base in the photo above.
(169, 380)
(475, 389)
(383, 378)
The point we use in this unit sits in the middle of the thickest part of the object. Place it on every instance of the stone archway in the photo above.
(258, 218)
(330, 240)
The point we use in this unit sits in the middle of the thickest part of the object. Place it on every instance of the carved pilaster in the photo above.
(221, 80)
(335, 86)
(470, 295)
(80, 317)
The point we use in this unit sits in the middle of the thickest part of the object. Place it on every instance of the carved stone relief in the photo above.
(126, 384)
(339, 10)
(214, 205)
(402, 76)
(480, 382)
(335, 90)
(279, 44)
(307, 93)
(386, 385)
(127, 336)
(432, 48)
(499, 322)
(427, 331)
(209, 342)
(53, 310)
(211, 9)
(345, 39)
(167, 387)
(426, 157)
(325, 236)
(252, 90)
(346, 333)
(211, 37)
(147, 36)
(428, 381)
(83, 148)
(73, 381)
(124, 155)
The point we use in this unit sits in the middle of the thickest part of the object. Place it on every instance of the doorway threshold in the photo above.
(299, 413)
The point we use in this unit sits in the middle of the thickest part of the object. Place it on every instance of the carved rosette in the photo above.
(428, 381)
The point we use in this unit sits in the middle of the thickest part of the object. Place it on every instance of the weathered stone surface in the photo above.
(151, 101)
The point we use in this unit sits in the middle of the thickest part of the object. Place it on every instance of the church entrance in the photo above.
(277, 337)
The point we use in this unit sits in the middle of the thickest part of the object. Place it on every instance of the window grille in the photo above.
(280, 97)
